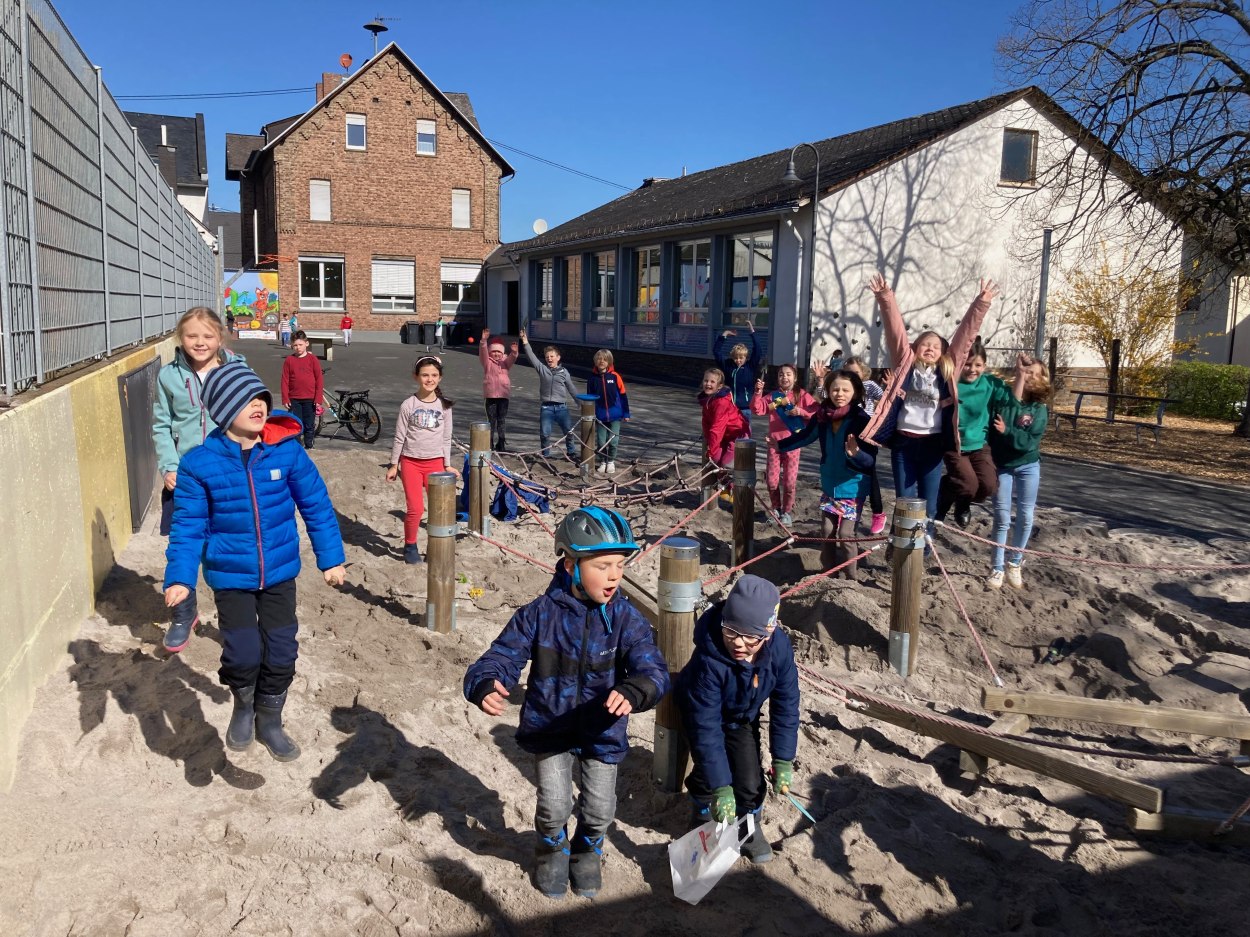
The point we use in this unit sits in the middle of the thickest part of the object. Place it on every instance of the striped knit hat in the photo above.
(230, 388)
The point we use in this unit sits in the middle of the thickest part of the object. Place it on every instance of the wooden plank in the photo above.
(1061, 768)
(1116, 712)
(1009, 724)
(1189, 824)
(641, 598)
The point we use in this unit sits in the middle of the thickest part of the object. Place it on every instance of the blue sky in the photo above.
(618, 90)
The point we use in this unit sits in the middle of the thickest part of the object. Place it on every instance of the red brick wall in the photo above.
(386, 201)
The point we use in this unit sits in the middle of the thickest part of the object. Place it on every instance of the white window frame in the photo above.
(740, 315)
(650, 313)
(432, 133)
(397, 292)
(322, 303)
(601, 276)
(464, 276)
(467, 209)
(319, 196)
(544, 283)
(356, 120)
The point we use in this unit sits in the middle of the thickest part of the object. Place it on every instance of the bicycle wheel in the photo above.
(318, 419)
(362, 420)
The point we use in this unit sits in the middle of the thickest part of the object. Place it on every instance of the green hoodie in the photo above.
(976, 400)
(1021, 442)
(179, 420)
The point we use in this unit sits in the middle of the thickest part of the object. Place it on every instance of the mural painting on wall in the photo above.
(254, 302)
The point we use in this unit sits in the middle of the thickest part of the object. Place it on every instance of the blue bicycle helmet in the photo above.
(590, 530)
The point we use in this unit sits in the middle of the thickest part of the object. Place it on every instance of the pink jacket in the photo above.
(496, 382)
(805, 406)
(902, 358)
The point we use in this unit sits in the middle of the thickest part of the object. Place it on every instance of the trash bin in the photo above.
(410, 333)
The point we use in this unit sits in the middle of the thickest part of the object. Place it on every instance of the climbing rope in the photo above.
(803, 584)
(755, 559)
(676, 527)
(998, 681)
(522, 501)
(507, 549)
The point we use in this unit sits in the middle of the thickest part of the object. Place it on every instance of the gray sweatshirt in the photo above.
(554, 386)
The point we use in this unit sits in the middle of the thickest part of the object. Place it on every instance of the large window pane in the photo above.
(750, 284)
(542, 288)
(1019, 156)
(572, 288)
(694, 274)
(647, 284)
(603, 286)
(320, 284)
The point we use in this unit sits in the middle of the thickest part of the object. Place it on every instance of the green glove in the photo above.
(724, 806)
(783, 776)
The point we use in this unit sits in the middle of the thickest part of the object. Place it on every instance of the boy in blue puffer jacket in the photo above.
(594, 662)
(741, 660)
(234, 511)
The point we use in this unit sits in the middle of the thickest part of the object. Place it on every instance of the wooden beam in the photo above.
(1009, 724)
(1190, 824)
(1061, 767)
(641, 598)
(1116, 712)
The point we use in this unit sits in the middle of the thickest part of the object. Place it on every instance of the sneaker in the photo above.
(995, 579)
(602, 469)
(787, 520)
(178, 634)
(878, 523)
(1013, 577)
(611, 468)
(963, 516)
(757, 848)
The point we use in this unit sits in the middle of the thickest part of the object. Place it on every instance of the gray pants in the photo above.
(596, 801)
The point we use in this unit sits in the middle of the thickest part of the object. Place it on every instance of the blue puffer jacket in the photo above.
(179, 420)
(580, 652)
(240, 521)
(714, 692)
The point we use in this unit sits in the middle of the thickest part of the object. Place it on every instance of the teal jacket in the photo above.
(179, 420)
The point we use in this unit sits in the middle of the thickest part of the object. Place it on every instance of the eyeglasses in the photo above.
(748, 640)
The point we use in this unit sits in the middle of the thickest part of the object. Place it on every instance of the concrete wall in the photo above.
(64, 516)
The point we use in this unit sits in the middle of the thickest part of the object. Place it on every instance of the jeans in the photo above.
(258, 637)
(550, 416)
(596, 801)
(606, 438)
(306, 411)
(917, 465)
(1016, 486)
(742, 747)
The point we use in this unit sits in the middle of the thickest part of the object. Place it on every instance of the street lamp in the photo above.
(792, 176)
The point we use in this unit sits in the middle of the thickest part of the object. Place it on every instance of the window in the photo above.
(647, 284)
(427, 144)
(1019, 157)
(603, 286)
(318, 199)
(321, 283)
(572, 288)
(355, 131)
(750, 284)
(460, 208)
(393, 286)
(542, 288)
(462, 288)
(694, 282)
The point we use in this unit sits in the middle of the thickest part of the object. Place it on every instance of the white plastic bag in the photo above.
(700, 858)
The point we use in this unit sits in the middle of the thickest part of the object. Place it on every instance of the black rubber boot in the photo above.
(551, 870)
(586, 866)
(412, 554)
(757, 848)
(269, 727)
(242, 730)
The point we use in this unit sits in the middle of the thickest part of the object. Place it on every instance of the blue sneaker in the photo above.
(178, 634)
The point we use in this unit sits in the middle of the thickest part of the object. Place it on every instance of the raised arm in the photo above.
(970, 326)
(891, 318)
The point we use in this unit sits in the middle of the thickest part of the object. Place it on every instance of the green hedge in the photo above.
(1214, 391)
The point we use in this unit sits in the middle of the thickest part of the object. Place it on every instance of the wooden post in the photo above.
(677, 591)
(440, 553)
(744, 500)
(479, 477)
(907, 539)
(586, 429)
(1113, 379)
(1053, 363)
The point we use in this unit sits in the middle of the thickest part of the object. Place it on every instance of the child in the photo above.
(740, 366)
(1016, 446)
(722, 421)
(594, 661)
(873, 392)
(438, 334)
(845, 461)
(496, 386)
(970, 475)
(611, 408)
(741, 660)
(302, 386)
(284, 330)
(234, 510)
(555, 390)
(422, 446)
(919, 414)
(345, 324)
(180, 423)
(788, 408)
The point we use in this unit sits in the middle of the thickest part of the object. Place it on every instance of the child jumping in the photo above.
(741, 661)
(611, 409)
(846, 459)
(555, 391)
(497, 386)
(302, 386)
(180, 422)
(788, 408)
(234, 511)
(422, 446)
(594, 661)
(741, 366)
(970, 475)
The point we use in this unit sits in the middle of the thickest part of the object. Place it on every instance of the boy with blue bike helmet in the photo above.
(594, 660)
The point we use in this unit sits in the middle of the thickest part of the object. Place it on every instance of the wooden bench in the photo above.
(1160, 404)
(321, 344)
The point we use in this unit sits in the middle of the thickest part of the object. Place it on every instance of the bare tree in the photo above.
(1164, 86)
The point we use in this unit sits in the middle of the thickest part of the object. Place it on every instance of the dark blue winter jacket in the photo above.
(715, 692)
(611, 399)
(739, 380)
(580, 652)
(239, 520)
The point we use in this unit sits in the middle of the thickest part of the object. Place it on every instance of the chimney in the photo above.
(169, 170)
(329, 81)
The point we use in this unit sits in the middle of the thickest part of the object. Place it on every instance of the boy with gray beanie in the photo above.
(234, 511)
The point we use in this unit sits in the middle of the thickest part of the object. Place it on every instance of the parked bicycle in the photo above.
(350, 408)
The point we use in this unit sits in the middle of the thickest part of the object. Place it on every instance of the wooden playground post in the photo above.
(744, 500)
(907, 539)
(479, 476)
(1053, 364)
(1113, 379)
(677, 591)
(440, 553)
(586, 429)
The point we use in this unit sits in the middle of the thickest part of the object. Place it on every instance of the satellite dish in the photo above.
(540, 226)
(345, 60)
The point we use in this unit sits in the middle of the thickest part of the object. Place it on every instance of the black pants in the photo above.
(306, 411)
(742, 746)
(258, 632)
(497, 413)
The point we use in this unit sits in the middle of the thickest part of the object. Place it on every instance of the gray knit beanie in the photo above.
(230, 388)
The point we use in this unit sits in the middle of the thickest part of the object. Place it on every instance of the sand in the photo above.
(411, 812)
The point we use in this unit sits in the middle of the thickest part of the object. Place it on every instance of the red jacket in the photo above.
(301, 379)
(345, 322)
(722, 424)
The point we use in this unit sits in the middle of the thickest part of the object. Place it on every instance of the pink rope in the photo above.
(1226, 826)
(507, 549)
(998, 681)
(676, 527)
(755, 559)
(522, 501)
(829, 572)
(840, 539)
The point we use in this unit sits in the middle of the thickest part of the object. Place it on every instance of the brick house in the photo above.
(381, 201)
